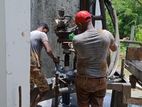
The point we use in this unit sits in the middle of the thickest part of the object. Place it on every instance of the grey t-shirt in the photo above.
(92, 47)
(36, 39)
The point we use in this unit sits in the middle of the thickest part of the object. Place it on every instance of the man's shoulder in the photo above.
(39, 33)
(36, 31)
(78, 36)
(104, 31)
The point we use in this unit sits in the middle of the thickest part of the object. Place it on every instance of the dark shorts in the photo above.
(37, 78)
(90, 91)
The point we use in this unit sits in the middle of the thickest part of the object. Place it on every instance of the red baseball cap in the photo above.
(82, 17)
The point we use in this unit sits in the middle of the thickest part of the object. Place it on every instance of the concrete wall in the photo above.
(46, 11)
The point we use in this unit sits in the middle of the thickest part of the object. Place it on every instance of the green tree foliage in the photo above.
(139, 33)
(129, 13)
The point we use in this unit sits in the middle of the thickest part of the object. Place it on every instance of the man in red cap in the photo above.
(91, 47)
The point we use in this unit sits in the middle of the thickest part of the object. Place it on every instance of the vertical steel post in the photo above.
(66, 95)
(102, 10)
(56, 90)
(84, 5)
(94, 11)
(122, 68)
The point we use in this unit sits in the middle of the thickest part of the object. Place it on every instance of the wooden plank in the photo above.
(137, 101)
(135, 67)
(134, 53)
(116, 100)
(115, 86)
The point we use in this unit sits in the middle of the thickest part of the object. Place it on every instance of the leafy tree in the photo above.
(139, 33)
(129, 14)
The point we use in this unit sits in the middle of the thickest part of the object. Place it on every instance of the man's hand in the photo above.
(56, 60)
(113, 46)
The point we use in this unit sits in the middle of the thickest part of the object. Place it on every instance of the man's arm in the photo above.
(49, 51)
(113, 46)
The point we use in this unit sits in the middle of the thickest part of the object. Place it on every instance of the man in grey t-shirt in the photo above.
(38, 40)
(91, 47)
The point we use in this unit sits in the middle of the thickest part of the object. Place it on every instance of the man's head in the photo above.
(82, 17)
(43, 27)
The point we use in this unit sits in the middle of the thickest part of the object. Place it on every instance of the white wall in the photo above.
(3, 94)
(14, 52)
